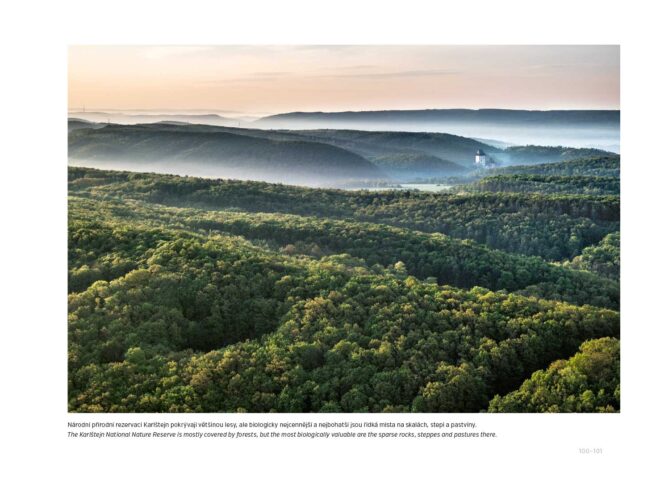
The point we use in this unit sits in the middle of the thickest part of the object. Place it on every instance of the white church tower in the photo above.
(480, 159)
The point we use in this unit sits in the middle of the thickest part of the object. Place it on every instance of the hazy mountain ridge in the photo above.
(126, 118)
(410, 166)
(400, 155)
(79, 123)
(490, 114)
(378, 145)
(373, 145)
(186, 150)
(443, 153)
(309, 157)
(574, 128)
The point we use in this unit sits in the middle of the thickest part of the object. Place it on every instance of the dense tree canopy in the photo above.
(603, 258)
(587, 382)
(214, 324)
(436, 256)
(197, 295)
(547, 184)
(555, 227)
(542, 154)
(598, 166)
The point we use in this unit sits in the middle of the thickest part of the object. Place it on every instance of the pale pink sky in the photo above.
(273, 79)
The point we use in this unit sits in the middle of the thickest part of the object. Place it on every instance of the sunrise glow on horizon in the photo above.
(261, 80)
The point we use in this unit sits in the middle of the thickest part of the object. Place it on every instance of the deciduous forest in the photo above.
(191, 294)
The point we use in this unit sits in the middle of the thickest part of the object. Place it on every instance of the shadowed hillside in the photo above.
(186, 150)
(575, 128)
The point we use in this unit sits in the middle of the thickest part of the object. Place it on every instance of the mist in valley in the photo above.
(367, 149)
(601, 134)
(211, 171)
(228, 119)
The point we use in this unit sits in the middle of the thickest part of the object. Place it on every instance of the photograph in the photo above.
(343, 228)
(311, 240)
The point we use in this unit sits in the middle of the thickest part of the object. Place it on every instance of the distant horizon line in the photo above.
(234, 112)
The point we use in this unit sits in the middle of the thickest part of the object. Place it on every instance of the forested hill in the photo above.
(450, 151)
(392, 148)
(549, 117)
(190, 150)
(598, 175)
(587, 185)
(555, 227)
(574, 128)
(78, 123)
(383, 145)
(133, 118)
(592, 166)
(430, 257)
(198, 295)
(213, 324)
(539, 154)
(401, 154)
(587, 382)
(305, 157)
(603, 258)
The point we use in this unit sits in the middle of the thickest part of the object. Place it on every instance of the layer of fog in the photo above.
(206, 170)
(499, 135)
(136, 117)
